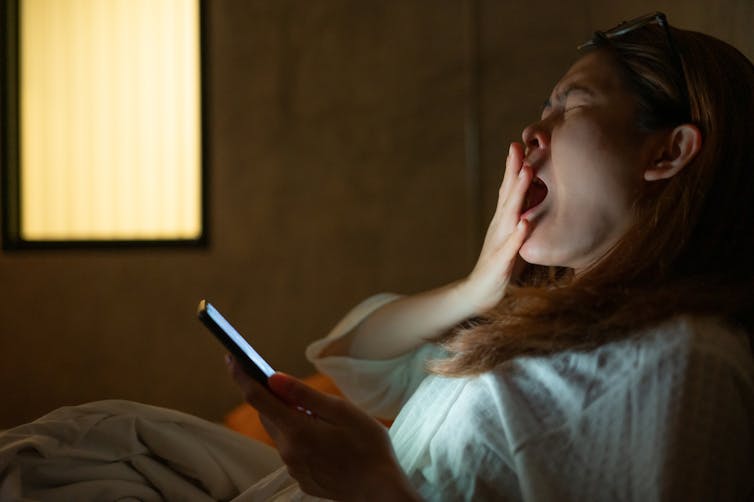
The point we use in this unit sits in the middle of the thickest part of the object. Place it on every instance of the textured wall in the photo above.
(355, 147)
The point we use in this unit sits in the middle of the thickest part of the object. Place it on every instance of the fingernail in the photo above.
(522, 172)
(281, 384)
(510, 150)
(281, 380)
(521, 224)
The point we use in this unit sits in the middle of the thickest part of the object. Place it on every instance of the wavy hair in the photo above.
(691, 246)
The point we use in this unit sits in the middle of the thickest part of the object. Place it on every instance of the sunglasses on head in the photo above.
(658, 18)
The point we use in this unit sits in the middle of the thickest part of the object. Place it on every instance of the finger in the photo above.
(264, 401)
(514, 243)
(512, 167)
(239, 376)
(298, 394)
(515, 202)
(511, 206)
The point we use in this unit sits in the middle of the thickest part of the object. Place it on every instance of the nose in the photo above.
(535, 137)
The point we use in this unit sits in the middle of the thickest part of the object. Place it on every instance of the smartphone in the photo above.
(254, 365)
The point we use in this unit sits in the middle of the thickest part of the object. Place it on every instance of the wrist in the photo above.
(472, 299)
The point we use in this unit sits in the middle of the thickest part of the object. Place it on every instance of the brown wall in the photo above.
(343, 162)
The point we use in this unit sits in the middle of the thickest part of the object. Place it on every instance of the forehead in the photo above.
(596, 71)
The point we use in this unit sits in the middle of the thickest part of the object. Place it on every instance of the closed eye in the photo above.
(572, 108)
(557, 110)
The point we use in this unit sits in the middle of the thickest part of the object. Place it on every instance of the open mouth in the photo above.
(535, 195)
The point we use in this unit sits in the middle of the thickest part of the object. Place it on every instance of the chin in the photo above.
(536, 252)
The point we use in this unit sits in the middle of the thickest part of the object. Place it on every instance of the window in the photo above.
(103, 136)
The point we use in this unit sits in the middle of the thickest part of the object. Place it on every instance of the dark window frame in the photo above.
(10, 161)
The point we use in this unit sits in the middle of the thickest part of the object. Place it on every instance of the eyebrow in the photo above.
(563, 95)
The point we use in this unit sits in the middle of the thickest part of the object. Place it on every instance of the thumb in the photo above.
(296, 393)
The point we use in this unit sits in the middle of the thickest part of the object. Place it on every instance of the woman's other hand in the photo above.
(486, 284)
(333, 449)
(408, 322)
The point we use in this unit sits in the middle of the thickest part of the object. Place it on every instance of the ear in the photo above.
(677, 150)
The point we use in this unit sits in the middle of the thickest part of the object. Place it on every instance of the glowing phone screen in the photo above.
(239, 340)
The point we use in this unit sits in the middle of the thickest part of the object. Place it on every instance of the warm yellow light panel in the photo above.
(110, 119)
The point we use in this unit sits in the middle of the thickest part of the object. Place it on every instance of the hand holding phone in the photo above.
(253, 364)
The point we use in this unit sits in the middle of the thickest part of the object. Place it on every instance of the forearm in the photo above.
(401, 326)
(404, 324)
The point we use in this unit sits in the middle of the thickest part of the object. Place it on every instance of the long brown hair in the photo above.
(691, 247)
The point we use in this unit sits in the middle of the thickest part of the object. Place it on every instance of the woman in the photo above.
(619, 365)
(599, 350)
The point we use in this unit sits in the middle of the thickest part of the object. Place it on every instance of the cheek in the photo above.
(593, 192)
(592, 208)
(592, 164)
(597, 132)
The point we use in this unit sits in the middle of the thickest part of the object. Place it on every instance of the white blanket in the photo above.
(119, 450)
